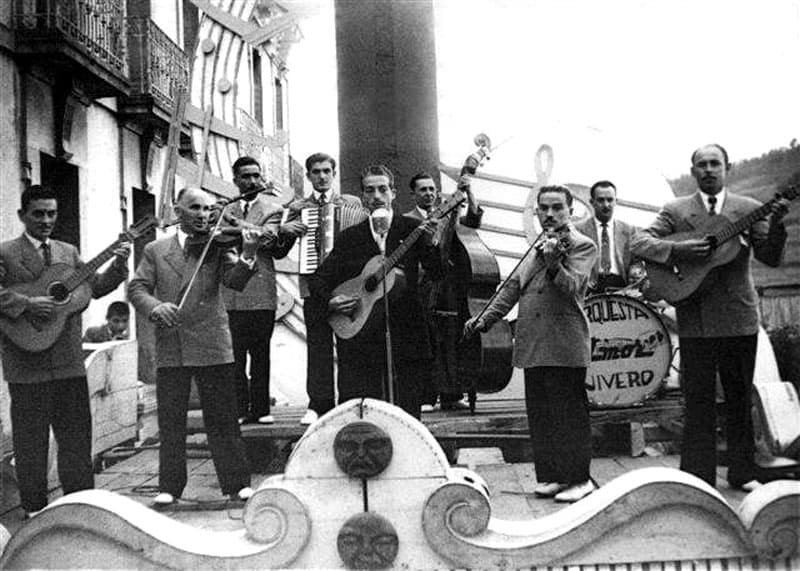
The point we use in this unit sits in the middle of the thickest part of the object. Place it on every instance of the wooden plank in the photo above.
(604, 470)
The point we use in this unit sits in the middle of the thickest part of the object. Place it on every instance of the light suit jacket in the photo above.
(21, 263)
(623, 233)
(203, 337)
(552, 329)
(261, 291)
(726, 304)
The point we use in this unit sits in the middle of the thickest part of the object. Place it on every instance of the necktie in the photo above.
(246, 209)
(605, 250)
(47, 255)
(322, 198)
(712, 201)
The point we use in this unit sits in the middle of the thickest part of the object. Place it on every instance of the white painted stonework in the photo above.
(442, 517)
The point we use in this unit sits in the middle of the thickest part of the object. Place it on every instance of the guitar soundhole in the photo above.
(58, 291)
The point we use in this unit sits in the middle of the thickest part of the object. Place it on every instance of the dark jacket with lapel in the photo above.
(623, 233)
(354, 247)
(21, 263)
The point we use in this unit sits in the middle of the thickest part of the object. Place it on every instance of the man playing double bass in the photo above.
(426, 196)
(552, 346)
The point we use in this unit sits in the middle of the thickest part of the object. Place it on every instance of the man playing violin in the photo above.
(552, 346)
(251, 312)
(193, 341)
(363, 358)
(426, 197)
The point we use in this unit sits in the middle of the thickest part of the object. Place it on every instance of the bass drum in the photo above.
(630, 348)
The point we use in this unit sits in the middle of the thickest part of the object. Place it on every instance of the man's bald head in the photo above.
(193, 209)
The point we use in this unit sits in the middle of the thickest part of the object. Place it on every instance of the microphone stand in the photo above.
(389, 388)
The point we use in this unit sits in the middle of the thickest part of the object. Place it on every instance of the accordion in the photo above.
(324, 223)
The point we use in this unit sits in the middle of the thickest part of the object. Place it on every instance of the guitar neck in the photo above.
(90, 267)
(736, 228)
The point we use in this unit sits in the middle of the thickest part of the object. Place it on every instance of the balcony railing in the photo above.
(96, 28)
(158, 66)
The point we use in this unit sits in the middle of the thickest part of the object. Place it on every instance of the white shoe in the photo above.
(548, 489)
(31, 515)
(748, 486)
(245, 493)
(266, 419)
(164, 499)
(426, 408)
(241, 420)
(576, 492)
(310, 417)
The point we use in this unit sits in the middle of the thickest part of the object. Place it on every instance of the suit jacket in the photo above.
(552, 328)
(21, 263)
(261, 291)
(306, 202)
(203, 337)
(354, 247)
(623, 233)
(726, 304)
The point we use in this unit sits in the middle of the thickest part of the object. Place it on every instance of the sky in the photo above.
(621, 89)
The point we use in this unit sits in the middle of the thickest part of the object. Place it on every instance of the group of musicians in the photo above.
(213, 303)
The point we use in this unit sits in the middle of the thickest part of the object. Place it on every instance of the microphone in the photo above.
(380, 221)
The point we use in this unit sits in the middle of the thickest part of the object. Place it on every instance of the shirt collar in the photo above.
(181, 236)
(328, 195)
(599, 225)
(423, 213)
(35, 241)
(380, 240)
(720, 196)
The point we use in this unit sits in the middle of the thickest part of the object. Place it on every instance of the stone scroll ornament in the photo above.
(417, 512)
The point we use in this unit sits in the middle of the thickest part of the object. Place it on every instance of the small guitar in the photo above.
(69, 288)
(365, 285)
(675, 282)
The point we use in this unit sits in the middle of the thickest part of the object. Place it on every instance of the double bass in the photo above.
(481, 363)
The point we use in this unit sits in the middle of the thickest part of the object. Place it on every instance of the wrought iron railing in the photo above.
(158, 66)
(95, 27)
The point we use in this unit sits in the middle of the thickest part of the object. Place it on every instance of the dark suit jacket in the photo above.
(261, 291)
(354, 247)
(552, 328)
(727, 303)
(21, 263)
(623, 233)
(203, 337)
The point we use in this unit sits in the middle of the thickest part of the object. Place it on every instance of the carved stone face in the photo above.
(367, 541)
(362, 450)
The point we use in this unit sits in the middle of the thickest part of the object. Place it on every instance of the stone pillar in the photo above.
(387, 90)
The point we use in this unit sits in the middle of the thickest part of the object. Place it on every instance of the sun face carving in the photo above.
(362, 449)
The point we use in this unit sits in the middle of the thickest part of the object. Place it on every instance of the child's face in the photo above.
(118, 324)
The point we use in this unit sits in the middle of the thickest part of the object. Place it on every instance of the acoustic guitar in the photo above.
(366, 286)
(677, 281)
(69, 288)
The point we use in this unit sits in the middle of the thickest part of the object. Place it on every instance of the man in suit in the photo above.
(251, 312)
(363, 357)
(193, 341)
(48, 388)
(718, 324)
(443, 378)
(552, 346)
(115, 328)
(320, 171)
(612, 238)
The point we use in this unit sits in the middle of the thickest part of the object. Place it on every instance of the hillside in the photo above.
(761, 177)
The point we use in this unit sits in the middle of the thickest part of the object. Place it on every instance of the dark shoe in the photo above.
(455, 405)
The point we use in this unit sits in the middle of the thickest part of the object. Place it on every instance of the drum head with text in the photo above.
(630, 351)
